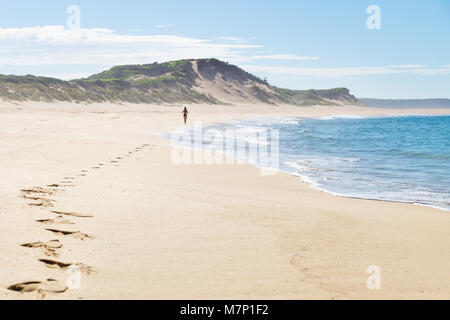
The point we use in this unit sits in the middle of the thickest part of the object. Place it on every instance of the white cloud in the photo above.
(56, 45)
(286, 56)
(232, 39)
(350, 71)
(244, 57)
(83, 36)
(407, 66)
(163, 26)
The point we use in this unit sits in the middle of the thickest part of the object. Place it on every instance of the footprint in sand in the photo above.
(37, 198)
(49, 248)
(67, 183)
(54, 185)
(73, 234)
(37, 190)
(57, 220)
(48, 286)
(74, 214)
(41, 202)
(61, 265)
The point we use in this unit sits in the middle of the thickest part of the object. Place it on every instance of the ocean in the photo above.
(391, 158)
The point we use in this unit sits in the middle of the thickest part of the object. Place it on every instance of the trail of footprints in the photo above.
(41, 197)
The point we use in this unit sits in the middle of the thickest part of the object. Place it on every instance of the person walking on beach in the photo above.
(185, 114)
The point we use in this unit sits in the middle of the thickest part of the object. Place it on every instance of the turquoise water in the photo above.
(399, 158)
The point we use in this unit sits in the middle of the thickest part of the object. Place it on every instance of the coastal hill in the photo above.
(185, 81)
(406, 103)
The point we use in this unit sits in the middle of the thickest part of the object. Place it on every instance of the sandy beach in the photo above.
(93, 186)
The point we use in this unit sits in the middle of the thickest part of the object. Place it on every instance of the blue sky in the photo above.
(295, 44)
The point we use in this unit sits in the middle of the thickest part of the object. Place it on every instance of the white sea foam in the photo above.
(291, 121)
(343, 116)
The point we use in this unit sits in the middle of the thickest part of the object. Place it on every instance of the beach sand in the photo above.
(138, 226)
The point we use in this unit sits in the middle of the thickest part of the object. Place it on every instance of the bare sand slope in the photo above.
(92, 187)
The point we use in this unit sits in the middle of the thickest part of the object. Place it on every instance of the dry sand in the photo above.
(145, 228)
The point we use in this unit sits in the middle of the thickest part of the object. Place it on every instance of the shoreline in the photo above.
(304, 179)
(165, 231)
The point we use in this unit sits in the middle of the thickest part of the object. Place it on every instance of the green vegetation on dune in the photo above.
(315, 97)
(177, 64)
(127, 72)
(154, 80)
(115, 73)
